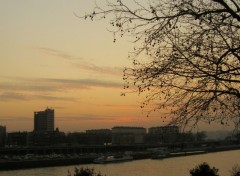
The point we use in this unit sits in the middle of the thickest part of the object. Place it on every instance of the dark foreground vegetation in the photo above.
(201, 170)
(85, 172)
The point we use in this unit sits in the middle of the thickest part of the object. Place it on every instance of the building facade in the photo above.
(128, 135)
(99, 136)
(162, 134)
(44, 120)
(2, 136)
(16, 139)
(47, 138)
(163, 130)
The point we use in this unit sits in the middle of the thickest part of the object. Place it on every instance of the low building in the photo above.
(17, 139)
(46, 138)
(99, 131)
(99, 136)
(3, 136)
(162, 134)
(76, 138)
(90, 137)
(164, 130)
(128, 135)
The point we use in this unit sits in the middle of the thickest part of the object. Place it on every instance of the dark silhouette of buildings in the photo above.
(2, 135)
(119, 135)
(164, 130)
(45, 135)
(17, 139)
(46, 138)
(99, 136)
(128, 135)
(162, 134)
(91, 137)
(44, 120)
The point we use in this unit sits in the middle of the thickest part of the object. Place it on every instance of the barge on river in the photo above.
(112, 159)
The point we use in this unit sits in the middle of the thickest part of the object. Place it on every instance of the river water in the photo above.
(178, 166)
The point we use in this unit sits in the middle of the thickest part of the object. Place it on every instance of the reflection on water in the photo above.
(178, 166)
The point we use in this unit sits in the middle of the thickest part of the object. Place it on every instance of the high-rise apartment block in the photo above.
(44, 120)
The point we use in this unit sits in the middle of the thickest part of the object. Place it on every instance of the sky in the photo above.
(51, 58)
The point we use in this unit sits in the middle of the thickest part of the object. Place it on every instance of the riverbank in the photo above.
(11, 165)
(175, 166)
(7, 164)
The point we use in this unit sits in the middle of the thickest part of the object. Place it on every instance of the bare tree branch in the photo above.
(192, 68)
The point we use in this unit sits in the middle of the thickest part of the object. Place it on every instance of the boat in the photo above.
(160, 155)
(186, 153)
(112, 159)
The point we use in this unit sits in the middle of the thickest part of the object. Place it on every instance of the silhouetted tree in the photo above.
(204, 170)
(85, 172)
(192, 64)
(235, 171)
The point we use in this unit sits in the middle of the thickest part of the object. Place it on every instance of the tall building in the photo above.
(44, 120)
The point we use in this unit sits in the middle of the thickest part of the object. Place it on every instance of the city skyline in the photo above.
(45, 113)
(51, 57)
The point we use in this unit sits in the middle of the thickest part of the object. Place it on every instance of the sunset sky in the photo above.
(51, 58)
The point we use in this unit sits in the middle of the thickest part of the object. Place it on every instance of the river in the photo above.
(178, 166)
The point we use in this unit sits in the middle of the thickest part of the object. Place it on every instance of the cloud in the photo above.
(17, 88)
(14, 119)
(58, 53)
(114, 119)
(118, 71)
(53, 98)
(83, 65)
(84, 83)
(124, 107)
(23, 85)
(12, 96)
(6, 96)
(54, 84)
(88, 117)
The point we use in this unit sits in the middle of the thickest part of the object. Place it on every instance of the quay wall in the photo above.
(88, 158)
